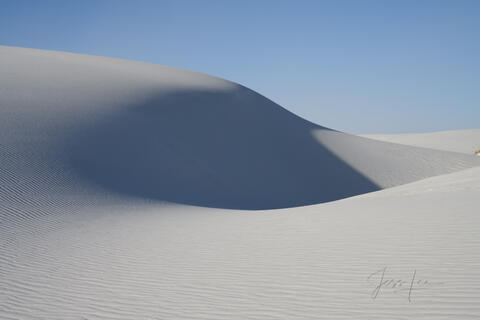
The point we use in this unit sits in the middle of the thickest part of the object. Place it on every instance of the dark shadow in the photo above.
(232, 149)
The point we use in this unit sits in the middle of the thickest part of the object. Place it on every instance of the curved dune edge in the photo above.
(80, 129)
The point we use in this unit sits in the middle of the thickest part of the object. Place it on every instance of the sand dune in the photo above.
(463, 141)
(117, 180)
(74, 124)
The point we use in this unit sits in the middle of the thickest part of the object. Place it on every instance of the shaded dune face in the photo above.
(229, 148)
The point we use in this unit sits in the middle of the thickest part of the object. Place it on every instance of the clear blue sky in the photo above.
(356, 66)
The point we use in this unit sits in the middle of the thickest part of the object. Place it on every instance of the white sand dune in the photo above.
(118, 180)
(76, 124)
(463, 141)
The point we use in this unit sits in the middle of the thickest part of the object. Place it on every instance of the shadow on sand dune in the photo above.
(225, 149)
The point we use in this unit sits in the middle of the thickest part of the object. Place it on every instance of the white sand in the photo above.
(102, 159)
(463, 141)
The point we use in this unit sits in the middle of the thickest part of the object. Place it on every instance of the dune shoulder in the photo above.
(462, 141)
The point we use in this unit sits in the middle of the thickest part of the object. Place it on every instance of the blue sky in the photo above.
(357, 66)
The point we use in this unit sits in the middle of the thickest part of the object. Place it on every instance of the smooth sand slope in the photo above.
(118, 180)
(463, 141)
